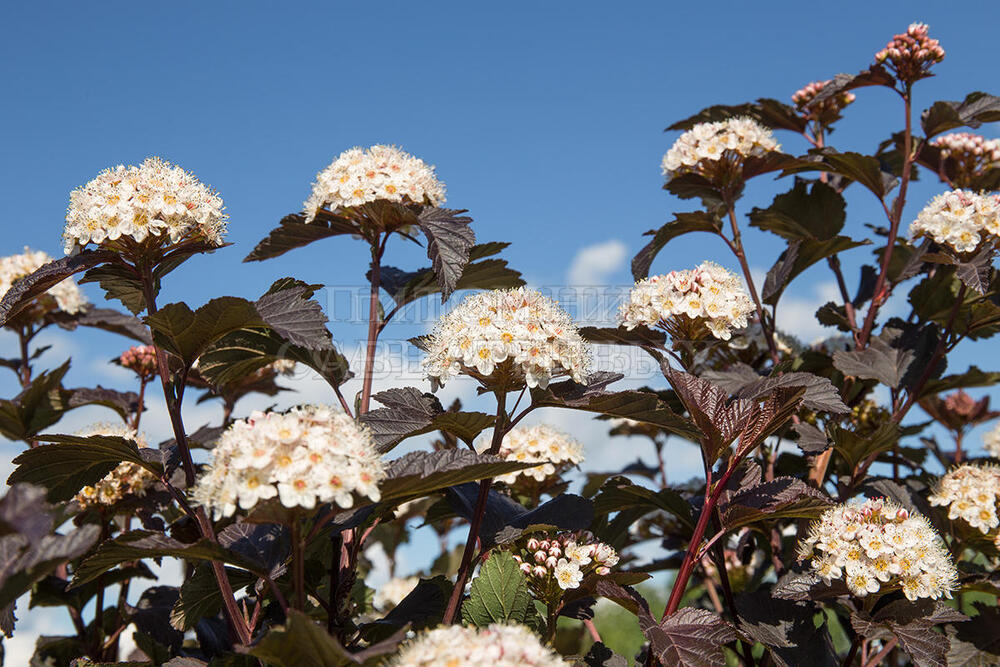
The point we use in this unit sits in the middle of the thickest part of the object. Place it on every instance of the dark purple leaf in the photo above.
(449, 241)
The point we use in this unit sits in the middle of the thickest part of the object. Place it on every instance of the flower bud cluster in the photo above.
(309, 455)
(64, 296)
(465, 646)
(970, 493)
(960, 219)
(911, 54)
(154, 199)
(555, 450)
(140, 359)
(825, 111)
(127, 479)
(520, 328)
(877, 546)
(359, 176)
(707, 294)
(561, 562)
(704, 146)
(971, 154)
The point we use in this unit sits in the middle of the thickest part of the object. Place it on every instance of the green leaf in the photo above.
(977, 108)
(36, 408)
(186, 333)
(295, 232)
(970, 378)
(449, 241)
(499, 594)
(683, 223)
(138, 544)
(122, 283)
(856, 448)
(200, 598)
(74, 462)
(803, 213)
(301, 643)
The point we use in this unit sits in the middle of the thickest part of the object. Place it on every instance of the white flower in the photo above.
(878, 543)
(708, 294)
(392, 592)
(960, 219)
(154, 199)
(359, 176)
(557, 451)
(64, 296)
(307, 456)
(970, 493)
(126, 479)
(567, 574)
(461, 646)
(528, 332)
(704, 145)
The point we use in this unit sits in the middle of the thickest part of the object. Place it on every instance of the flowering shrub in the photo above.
(841, 515)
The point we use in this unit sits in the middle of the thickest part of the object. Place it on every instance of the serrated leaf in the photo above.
(138, 544)
(781, 498)
(295, 232)
(25, 289)
(186, 333)
(816, 213)
(635, 405)
(122, 283)
(811, 440)
(408, 412)
(301, 643)
(911, 623)
(421, 473)
(688, 638)
(879, 361)
(449, 240)
(640, 336)
(863, 169)
(199, 596)
(466, 426)
(288, 310)
(977, 108)
(787, 629)
(719, 419)
(111, 320)
(820, 394)
(618, 494)
(405, 287)
(499, 594)
(74, 462)
(974, 377)
(37, 407)
(766, 111)
(976, 642)
(122, 402)
(976, 272)
(799, 256)
(876, 75)
(683, 223)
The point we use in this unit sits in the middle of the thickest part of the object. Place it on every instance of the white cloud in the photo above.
(594, 264)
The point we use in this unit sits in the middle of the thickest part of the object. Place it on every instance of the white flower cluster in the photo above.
(309, 455)
(555, 450)
(64, 296)
(708, 143)
(561, 562)
(359, 176)
(154, 199)
(991, 442)
(972, 153)
(970, 493)
(461, 646)
(960, 219)
(708, 293)
(392, 592)
(879, 544)
(519, 327)
(126, 479)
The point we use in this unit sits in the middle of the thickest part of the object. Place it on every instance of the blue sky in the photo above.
(544, 119)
